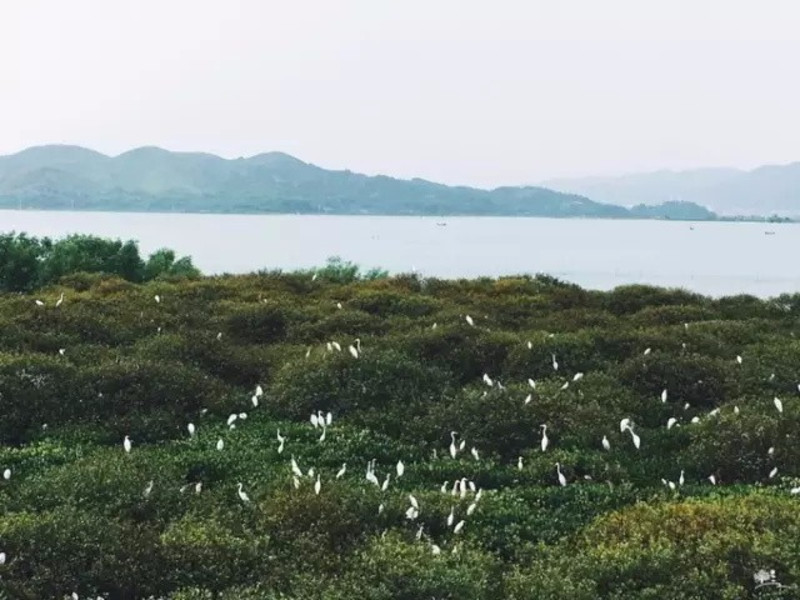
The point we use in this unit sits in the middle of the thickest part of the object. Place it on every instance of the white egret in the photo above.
(192, 429)
(453, 449)
(664, 395)
(337, 346)
(671, 422)
(738, 359)
(418, 537)
(443, 488)
(7, 474)
(352, 350)
(242, 416)
(39, 303)
(555, 362)
(259, 391)
(459, 526)
(545, 439)
(778, 404)
(314, 420)
(462, 445)
(474, 453)
(773, 472)
(624, 424)
(329, 418)
(647, 351)
(478, 494)
(380, 508)
(519, 464)
(2, 558)
(401, 468)
(565, 386)
(385, 485)
(771, 450)
(471, 508)
(281, 441)
(636, 439)
(254, 400)
(736, 410)
(340, 473)
(242, 495)
(60, 300)
(532, 383)
(296, 468)
(606, 444)
(435, 550)
(296, 482)
(148, 490)
(339, 305)
(577, 377)
(413, 501)
(487, 380)
(561, 479)
(317, 486)
(231, 418)
(712, 479)
(451, 517)
(695, 419)
(412, 513)
(527, 400)
(220, 444)
(470, 321)
(127, 444)
(530, 345)
(308, 352)
(61, 351)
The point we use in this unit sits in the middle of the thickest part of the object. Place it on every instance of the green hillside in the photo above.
(152, 179)
(214, 381)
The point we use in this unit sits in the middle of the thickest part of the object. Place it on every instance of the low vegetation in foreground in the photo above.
(329, 436)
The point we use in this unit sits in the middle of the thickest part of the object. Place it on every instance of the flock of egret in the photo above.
(461, 487)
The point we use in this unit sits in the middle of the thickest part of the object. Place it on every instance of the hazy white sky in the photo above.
(484, 92)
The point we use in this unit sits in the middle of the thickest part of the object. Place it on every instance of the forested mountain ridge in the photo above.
(153, 179)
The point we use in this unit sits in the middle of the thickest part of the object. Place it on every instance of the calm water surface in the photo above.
(712, 258)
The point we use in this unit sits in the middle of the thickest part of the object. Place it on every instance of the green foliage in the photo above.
(79, 513)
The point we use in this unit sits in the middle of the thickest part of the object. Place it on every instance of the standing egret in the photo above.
(296, 468)
(459, 526)
(471, 508)
(488, 380)
(329, 418)
(636, 440)
(220, 444)
(681, 479)
(198, 487)
(314, 420)
(324, 433)
(337, 346)
(527, 400)
(352, 350)
(231, 418)
(192, 429)
(413, 501)
(778, 404)
(339, 305)
(519, 464)
(281, 441)
(126, 443)
(532, 383)
(671, 422)
(530, 345)
(545, 439)
(148, 489)
(773, 472)
(555, 362)
(435, 550)
(664, 395)
(624, 424)
(443, 488)
(401, 468)
(736, 410)
(385, 485)
(577, 377)
(451, 517)
(561, 479)
(647, 351)
(453, 449)
(340, 473)
(738, 359)
(242, 495)
(469, 320)
(2, 558)
(296, 482)
(254, 400)
(606, 444)
(317, 485)
(7, 474)
(474, 453)
(60, 300)
(712, 479)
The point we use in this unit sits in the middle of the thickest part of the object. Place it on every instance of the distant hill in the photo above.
(153, 179)
(768, 190)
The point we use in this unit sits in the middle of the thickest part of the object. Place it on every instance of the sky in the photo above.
(485, 93)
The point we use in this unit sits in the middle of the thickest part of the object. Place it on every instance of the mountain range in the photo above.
(767, 190)
(153, 179)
